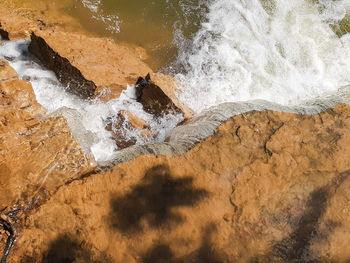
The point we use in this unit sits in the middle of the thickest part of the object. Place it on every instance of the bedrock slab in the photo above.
(37, 154)
(98, 64)
(267, 187)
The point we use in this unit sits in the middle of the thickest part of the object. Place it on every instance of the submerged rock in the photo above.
(122, 122)
(266, 187)
(109, 65)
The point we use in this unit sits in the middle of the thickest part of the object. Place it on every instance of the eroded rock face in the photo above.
(169, 86)
(109, 65)
(67, 74)
(267, 187)
(37, 154)
(153, 98)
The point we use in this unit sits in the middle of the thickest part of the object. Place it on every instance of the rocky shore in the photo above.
(267, 186)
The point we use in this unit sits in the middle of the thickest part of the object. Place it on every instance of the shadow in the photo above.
(67, 249)
(153, 200)
(204, 254)
(296, 247)
(4, 34)
(153, 98)
(158, 254)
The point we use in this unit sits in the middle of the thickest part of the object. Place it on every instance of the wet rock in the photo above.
(267, 187)
(118, 125)
(112, 68)
(3, 33)
(84, 137)
(66, 73)
(37, 154)
(110, 92)
(121, 123)
(141, 83)
(6, 72)
(153, 98)
(170, 87)
(134, 121)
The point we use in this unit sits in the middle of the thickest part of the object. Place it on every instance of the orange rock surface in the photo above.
(110, 65)
(267, 187)
(37, 154)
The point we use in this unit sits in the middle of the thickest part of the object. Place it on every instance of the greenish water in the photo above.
(162, 26)
(153, 25)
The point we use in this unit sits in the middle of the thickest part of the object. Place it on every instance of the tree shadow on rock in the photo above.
(158, 254)
(67, 249)
(296, 247)
(153, 199)
(206, 253)
(161, 253)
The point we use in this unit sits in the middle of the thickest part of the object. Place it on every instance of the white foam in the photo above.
(283, 55)
(92, 5)
(52, 95)
(111, 21)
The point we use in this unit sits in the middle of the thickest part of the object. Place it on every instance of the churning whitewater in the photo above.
(283, 52)
(90, 114)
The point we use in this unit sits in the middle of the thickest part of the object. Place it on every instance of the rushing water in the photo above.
(87, 118)
(236, 50)
(282, 51)
(222, 51)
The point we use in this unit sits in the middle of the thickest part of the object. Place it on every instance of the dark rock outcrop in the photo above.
(115, 125)
(66, 73)
(3, 33)
(153, 98)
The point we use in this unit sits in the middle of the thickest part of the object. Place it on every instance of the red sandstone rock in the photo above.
(6, 72)
(126, 120)
(267, 187)
(67, 74)
(37, 155)
(109, 65)
(136, 122)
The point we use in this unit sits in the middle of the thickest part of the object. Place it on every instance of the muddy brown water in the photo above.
(159, 26)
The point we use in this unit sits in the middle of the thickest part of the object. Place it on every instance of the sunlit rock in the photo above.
(37, 154)
(268, 186)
